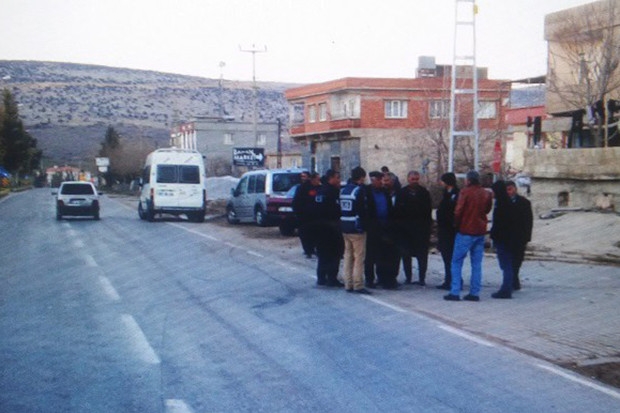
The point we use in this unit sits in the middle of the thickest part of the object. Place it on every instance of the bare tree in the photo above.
(583, 62)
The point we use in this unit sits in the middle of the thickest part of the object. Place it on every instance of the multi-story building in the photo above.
(215, 138)
(399, 123)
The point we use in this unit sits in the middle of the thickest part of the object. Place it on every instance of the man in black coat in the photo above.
(521, 214)
(446, 230)
(304, 195)
(328, 235)
(413, 210)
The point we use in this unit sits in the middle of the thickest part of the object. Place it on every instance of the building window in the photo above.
(396, 109)
(228, 139)
(311, 113)
(487, 110)
(322, 112)
(262, 139)
(439, 109)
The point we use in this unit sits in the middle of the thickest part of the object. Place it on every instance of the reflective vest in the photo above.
(350, 218)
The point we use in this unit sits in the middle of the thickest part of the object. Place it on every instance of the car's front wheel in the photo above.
(231, 216)
(141, 212)
(259, 217)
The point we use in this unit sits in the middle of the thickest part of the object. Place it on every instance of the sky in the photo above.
(296, 41)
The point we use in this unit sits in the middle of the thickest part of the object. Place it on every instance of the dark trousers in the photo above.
(517, 259)
(421, 255)
(445, 244)
(505, 258)
(327, 269)
(306, 238)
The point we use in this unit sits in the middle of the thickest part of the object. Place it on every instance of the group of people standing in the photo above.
(375, 227)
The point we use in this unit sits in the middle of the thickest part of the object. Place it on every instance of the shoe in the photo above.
(362, 291)
(451, 297)
(349, 290)
(371, 285)
(420, 283)
(408, 281)
(335, 284)
(309, 256)
(501, 294)
(516, 287)
(321, 282)
(470, 297)
(443, 287)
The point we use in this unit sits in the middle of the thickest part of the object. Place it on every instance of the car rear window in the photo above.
(178, 174)
(282, 182)
(77, 189)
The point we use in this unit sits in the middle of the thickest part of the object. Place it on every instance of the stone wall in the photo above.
(574, 178)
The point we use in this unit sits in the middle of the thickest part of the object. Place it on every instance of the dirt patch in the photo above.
(608, 373)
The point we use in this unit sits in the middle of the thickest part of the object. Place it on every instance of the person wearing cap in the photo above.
(470, 221)
(445, 225)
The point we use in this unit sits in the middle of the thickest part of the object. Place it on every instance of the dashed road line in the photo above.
(139, 341)
(193, 231)
(108, 288)
(90, 261)
(177, 406)
(256, 254)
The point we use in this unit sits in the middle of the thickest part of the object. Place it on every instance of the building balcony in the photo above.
(325, 126)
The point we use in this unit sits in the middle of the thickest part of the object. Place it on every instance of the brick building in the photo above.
(401, 123)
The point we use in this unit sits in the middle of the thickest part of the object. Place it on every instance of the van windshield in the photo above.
(282, 182)
(178, 174)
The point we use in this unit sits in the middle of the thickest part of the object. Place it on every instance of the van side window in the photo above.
(260, 184)
(189, 174)
(242, 187)
(252, 185)
(146, 174)
(166, 174)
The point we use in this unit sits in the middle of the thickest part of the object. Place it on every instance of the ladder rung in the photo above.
(464, 91)
(463, 133)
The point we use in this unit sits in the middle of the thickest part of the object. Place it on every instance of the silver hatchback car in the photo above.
(77, 198)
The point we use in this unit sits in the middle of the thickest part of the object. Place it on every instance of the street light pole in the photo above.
(254, 50)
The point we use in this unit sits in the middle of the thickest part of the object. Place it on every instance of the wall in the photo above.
(589, 177)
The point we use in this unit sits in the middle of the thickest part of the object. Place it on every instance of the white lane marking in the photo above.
(140, 343)
(467, 336)
(584, 382)
(193, 231)
(108, 288)
(177, 406)
(254, 253)
(383, 303)
(90, 261)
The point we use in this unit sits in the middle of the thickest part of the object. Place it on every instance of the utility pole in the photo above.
(464, 55)
(254, 50)
(221, 105)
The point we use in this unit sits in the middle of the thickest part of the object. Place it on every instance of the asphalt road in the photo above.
(122, 315)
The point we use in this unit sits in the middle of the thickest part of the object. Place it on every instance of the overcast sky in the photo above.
(306, 40)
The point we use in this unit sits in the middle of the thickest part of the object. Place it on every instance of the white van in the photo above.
(173, 182)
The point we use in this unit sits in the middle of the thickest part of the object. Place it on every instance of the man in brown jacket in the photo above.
(470, 219)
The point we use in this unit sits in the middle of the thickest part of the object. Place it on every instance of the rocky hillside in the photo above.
(67, 107)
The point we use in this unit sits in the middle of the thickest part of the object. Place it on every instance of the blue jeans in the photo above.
(474, 245)
(505, 258)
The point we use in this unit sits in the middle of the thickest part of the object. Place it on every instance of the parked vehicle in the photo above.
(173, 182)
(77, 198)
(283, 209)
(261, 196)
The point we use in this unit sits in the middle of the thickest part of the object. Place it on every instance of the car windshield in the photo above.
(282, 182)
(77, 189)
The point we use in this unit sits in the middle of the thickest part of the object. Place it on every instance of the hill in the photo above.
(67, 107)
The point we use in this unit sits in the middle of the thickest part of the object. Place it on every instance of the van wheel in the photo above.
(141, 213)
(231, 216)
(197, 216)
(259, 217)
(149, 213)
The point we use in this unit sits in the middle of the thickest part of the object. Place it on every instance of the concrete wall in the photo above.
(577, 178)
